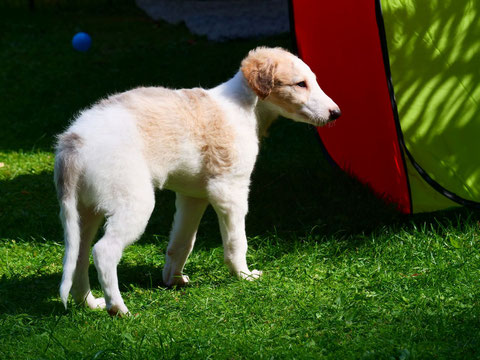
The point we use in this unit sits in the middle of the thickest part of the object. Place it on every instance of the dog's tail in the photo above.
(66, 175)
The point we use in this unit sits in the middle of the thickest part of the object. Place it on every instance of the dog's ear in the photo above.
(259, 71)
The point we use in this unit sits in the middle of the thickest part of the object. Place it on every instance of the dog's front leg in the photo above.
(231, 206)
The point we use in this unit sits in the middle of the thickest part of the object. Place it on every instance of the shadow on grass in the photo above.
(33, 295)
(38, 294)
(29, 209)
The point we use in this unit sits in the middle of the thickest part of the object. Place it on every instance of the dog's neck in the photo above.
(266, 115)
(237, 91)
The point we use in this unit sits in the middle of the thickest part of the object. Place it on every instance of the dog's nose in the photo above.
(335, 114)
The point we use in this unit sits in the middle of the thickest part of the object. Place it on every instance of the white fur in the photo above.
(116, 181)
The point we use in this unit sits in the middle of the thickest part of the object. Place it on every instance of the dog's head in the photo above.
(288, 85)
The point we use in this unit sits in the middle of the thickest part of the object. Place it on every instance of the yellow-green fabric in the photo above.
(425, 198)
(434, 52)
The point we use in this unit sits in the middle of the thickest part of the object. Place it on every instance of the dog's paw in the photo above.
(177, 280)
(118, 310)
(90, 301)
(96, 303)
(251, 275)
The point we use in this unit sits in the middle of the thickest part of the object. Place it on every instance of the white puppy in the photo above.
(202, 144)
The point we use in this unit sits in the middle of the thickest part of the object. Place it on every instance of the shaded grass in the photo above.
(345, 275)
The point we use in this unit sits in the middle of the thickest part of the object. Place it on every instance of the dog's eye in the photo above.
(301, 84)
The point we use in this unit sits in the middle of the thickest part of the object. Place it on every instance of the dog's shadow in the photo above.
(38, 295)
(35, 295)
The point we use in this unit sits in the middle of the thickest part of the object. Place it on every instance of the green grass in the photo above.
(345, 276)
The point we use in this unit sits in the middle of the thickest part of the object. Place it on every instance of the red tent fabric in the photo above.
(344, 34)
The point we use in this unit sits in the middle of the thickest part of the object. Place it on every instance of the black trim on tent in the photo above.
(452, 196)
(439, 188)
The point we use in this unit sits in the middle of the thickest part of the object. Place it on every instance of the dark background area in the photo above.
(44, 83)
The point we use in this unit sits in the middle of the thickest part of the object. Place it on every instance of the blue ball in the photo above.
(81, 41)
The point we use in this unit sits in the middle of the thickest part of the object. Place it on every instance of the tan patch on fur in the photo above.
(259, 69)
(212, 132)
(166, 118)
(158, 115)
(66, 164)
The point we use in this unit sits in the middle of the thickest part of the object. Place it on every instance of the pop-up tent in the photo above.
(406, 74)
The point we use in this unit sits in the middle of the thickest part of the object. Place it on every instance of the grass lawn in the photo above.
(345, 276)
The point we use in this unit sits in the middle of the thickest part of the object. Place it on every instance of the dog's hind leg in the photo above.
(89, 224)
(188, 214)
(128, 218)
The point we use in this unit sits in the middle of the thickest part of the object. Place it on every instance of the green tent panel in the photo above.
(434, 53)
(426, 56)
